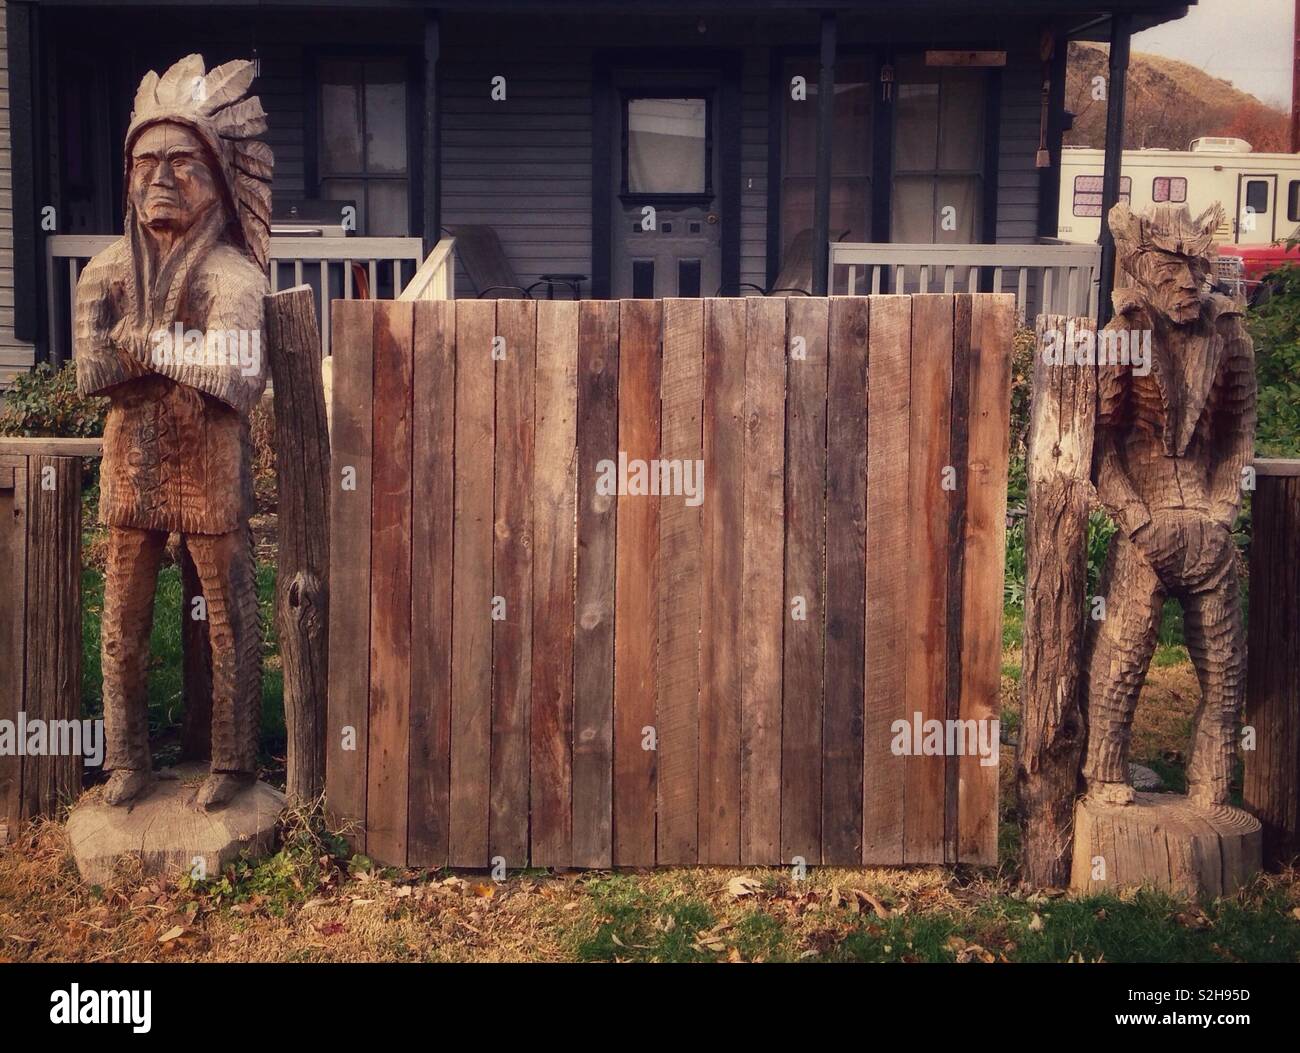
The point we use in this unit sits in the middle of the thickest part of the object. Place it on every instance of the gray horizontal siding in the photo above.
(1018, 134)
(521, 165)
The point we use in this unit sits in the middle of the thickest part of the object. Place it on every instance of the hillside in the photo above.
(1169, 104)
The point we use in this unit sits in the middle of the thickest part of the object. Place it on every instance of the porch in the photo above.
(674, 154)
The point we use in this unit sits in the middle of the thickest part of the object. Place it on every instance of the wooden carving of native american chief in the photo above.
(169, 327)
(1173, 436)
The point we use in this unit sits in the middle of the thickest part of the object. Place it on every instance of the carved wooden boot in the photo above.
(221, 787)
(125, 785)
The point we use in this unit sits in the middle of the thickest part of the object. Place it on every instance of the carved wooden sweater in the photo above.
(1177, 438)
(177, 451)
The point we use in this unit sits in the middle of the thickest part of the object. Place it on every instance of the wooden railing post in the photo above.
(1063, 417)
(1272, 783)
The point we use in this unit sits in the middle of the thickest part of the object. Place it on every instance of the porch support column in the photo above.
(1121, 32)
(825, 133)
(431, 159)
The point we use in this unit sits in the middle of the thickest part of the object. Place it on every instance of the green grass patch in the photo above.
(165, 667)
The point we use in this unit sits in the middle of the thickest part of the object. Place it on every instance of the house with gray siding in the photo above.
(597, 149)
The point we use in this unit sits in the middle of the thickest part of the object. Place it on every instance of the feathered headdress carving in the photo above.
(215, 106)
(1167, 227)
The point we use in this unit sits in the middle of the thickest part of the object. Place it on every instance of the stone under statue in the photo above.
(169, 327)
(1171, 446)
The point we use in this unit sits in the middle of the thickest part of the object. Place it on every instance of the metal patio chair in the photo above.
(480, 252)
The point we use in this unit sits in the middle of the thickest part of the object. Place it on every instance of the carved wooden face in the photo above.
(1173, 283)
(172, 183)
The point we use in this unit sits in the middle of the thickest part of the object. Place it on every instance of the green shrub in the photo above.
(1275, 327)
(45, 403)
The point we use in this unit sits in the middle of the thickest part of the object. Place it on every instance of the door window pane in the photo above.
(666, 146)
(1257, 196)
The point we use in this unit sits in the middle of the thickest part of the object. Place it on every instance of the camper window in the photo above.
(1087, 194)
(1293, 201)
(1169, 188)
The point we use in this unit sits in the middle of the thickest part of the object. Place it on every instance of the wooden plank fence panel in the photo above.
(680, 550)
(889, 594)
(388, 758)
(554, 538)
(763, 614)
(720, 641)
(846, 496)
(992, 330)
(350, 518)
(525, 629)
(593, 643)
(512, 577)
(636, 597)
(471, 630)
(433, 452)
(805, 584)
(927, 570)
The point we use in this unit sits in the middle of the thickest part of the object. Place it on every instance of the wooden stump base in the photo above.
(1164, 841)
(168, 834)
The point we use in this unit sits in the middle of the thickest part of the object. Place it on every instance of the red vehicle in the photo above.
(1251, 264)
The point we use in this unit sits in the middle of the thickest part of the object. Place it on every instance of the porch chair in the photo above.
(480, 252)
(795, 278)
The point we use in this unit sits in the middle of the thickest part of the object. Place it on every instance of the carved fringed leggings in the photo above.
(225, 568)
(1190, 559)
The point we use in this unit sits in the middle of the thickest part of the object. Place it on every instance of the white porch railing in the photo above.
(436, 278)
(1058, 278)
(334, 268)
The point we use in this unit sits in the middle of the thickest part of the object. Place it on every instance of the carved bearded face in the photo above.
(172, 183)
(1173, 283)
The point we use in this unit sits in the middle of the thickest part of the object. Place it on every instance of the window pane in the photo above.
(1178, 190)
(386, 210)
(666, 146)
(961, 127)
(340, 98)
(347, 190)
(913, 210)
(851, 141)
(916, 133)
(1257, 196)
(958, 209)
(1293, 201)
(385, 117)
(1160, 189)
(850, 209)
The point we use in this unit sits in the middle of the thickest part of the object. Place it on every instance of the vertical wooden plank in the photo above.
(53, 663)
(636, 595)
(846, 496)
(472, 586)
(888, 576)
(554, 489)
(762, 612)
(720, 622)
(927, 570)
(349, 674)
(390, 585)
(958, 448)
(512, 626)
(680, 541)
(593, 641)
(992, 331)
(433, 432)
(805, 588)
(13, 627)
